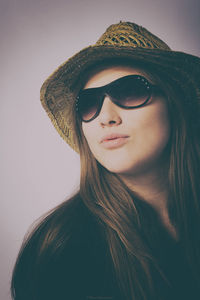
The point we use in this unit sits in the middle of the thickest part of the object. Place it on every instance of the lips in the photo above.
(113, 136)
(114, 140)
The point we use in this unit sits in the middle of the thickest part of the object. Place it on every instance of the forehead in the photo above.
(108, 74)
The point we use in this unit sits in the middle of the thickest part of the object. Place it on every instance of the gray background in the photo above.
(38, 169)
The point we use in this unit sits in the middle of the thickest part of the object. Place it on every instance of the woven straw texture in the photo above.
(123, 40)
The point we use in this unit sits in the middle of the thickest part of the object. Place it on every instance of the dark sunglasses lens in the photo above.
(88, 104)
(127, 92)
(131, 92)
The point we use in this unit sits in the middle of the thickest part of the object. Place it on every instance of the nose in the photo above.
(109, 114)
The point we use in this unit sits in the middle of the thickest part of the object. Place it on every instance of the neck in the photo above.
(153, 188)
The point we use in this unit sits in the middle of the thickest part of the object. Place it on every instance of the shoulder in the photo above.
(62, 255)
(66, 219)
(66, 226)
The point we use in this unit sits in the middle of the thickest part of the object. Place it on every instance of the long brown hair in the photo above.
(119, 210)
(124, 218)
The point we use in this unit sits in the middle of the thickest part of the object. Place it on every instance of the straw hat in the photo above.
(124, 39)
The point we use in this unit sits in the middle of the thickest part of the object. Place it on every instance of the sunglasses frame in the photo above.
(105, 92)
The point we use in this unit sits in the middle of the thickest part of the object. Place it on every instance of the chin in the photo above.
(121, 168)
(130, 168)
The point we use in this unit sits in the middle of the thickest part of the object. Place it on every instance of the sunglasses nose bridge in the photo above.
(108, 112)
(107, 101)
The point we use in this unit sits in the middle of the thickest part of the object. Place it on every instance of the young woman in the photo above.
(130, 106)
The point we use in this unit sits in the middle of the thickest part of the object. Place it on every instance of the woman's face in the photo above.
(146, 130)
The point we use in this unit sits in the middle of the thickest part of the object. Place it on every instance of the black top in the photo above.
(84, 270)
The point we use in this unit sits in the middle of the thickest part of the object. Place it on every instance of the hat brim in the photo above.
(60, 89)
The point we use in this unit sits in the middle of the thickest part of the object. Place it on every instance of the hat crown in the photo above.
(131, 34)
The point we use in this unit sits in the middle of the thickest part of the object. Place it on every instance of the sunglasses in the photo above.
(128, 92)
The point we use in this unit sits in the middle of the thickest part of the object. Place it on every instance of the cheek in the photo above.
(156, 129)
(90, 133)
(92, 137)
